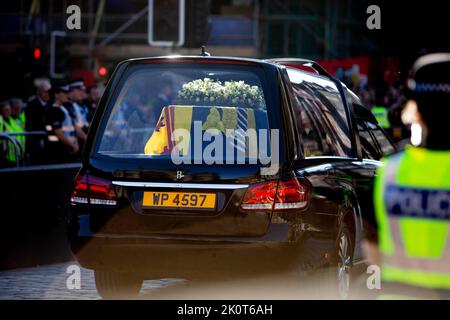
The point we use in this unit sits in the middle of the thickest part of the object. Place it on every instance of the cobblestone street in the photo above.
(49, 282)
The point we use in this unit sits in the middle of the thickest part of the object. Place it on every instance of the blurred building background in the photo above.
(331, 31)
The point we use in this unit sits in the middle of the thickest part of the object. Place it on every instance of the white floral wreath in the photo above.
(231, 93)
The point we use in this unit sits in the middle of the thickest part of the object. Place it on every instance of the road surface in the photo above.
(50, 282)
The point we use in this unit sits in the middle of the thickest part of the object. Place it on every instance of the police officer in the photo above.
(77, 109)
(62, 144)
(412, 194)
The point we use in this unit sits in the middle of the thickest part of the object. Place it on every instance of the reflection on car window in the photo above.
(154, 101)
(383, 141)
(368, 145)
(321, 115)
(316, 140)
(375, 144)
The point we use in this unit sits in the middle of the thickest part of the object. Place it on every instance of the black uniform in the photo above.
(34, 115)
(56, 117)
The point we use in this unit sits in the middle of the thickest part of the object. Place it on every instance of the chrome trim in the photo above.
(179, 185)
(376, 162)
(331, 157)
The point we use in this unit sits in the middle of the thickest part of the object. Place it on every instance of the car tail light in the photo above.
(291, 195)
(93, 190)
(260, 196)
(284, 194)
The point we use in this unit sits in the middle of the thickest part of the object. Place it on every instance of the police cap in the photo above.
(431, 75)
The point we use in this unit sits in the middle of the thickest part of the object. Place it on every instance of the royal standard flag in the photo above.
(216, 120)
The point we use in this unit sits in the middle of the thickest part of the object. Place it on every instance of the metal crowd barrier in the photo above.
(19, 149)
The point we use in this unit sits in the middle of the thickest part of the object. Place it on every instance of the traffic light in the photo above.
(178, 23)
(37, 53)
(35, 65)
(166, 22)
(102, 71)
(59, 55)
(197, 23)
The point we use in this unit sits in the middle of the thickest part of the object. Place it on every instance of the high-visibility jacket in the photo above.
(10, 126)
(412, 207)
(18, 125)
(382, 116)
(3, 143)
(19, 121)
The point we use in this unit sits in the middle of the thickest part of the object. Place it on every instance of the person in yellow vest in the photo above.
(3, 143)
(9, 150)
(382, 116)
(412, 194)
(2, 122)
(17, 112)
(18, 119)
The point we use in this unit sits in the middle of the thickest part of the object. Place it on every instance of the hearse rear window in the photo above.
(157, 102)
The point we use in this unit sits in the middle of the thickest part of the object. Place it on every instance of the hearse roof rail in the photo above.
(301, 62)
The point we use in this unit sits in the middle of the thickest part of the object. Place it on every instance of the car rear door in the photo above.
(326, 144)
(368, 160)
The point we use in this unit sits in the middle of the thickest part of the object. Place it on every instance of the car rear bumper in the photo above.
(159, 256)
(160, 260)
(199, 259)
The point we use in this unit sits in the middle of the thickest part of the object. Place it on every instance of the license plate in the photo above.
(179, 200)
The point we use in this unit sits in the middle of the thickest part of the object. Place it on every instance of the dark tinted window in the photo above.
(320, 115)
(368, 145)
(376, 139)
(353, 99)
(380, 136)
(316, 140)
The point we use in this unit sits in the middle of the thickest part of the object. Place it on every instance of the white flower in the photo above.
(237, 93)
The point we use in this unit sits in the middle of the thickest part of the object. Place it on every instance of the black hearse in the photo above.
(201, 166)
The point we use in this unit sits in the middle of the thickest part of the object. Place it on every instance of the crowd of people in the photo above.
(386, 100)
(51, 127)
